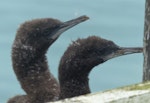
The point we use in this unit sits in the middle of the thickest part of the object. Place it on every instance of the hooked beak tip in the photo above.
(84, 17)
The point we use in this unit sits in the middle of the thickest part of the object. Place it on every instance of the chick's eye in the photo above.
(46, 32)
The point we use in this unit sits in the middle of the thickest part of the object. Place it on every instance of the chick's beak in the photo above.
(123, 51)
(67, 25)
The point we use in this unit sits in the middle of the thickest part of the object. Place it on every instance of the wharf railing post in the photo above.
(146, 44)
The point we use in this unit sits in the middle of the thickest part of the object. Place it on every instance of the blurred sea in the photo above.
(121, 21)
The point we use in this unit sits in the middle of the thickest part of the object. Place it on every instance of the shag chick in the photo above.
(30, 64)
(80, 58)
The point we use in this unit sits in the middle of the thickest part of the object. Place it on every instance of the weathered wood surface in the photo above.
(139, 93)
(146, 40)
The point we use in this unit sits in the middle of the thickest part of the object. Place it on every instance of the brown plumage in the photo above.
(30, 65)
(80, 58)
(19, 99)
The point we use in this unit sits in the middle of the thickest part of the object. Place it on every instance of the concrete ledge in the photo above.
(138, 93)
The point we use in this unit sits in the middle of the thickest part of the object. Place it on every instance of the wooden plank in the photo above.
(139, 93)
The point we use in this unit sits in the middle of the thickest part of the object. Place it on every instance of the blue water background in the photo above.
(121, 21)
